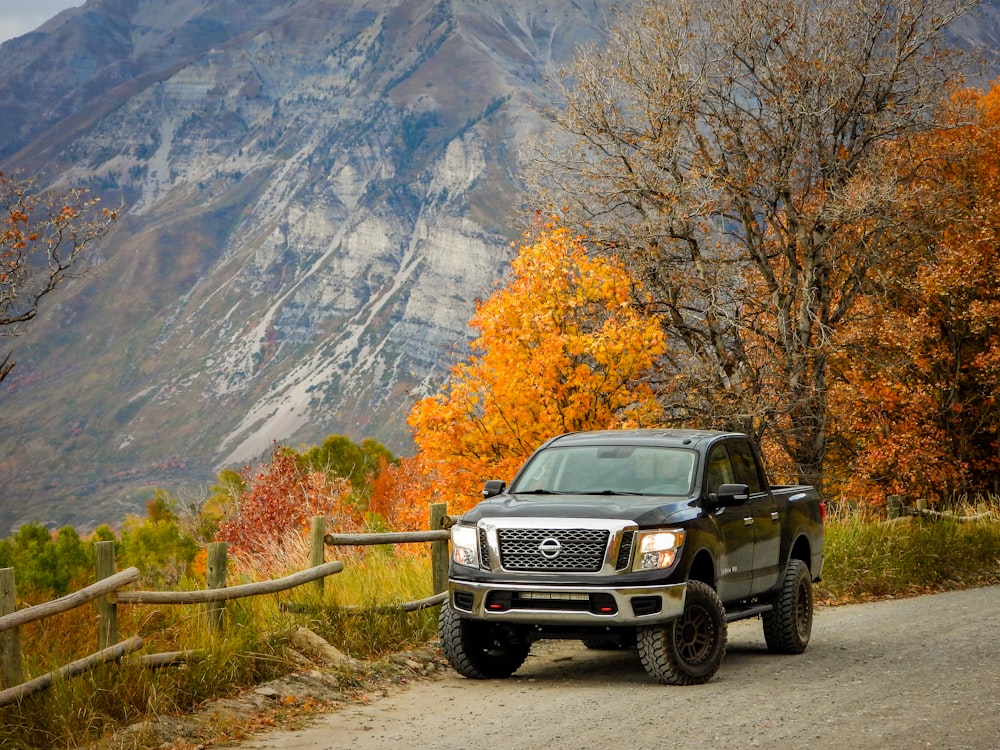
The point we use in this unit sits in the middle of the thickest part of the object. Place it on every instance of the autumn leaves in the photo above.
(562, 346)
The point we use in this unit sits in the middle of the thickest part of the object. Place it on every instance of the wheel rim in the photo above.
(803, 612)
(694, 634)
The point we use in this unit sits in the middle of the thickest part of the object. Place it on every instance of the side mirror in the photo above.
(493, 487)
(729, 494)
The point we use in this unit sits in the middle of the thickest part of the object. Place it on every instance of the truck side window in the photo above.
(745, 466)
(720, 469)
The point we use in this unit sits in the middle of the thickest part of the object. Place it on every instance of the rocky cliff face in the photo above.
(315, 193)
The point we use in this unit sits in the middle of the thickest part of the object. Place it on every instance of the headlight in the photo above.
(658, 549)
(465, 546)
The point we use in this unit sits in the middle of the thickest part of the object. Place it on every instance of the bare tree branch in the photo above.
(44, 238)
(741, 157)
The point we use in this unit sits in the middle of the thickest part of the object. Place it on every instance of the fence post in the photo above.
(107, 610)
(317, 549)
(439, 549)
(894, 505)
(11, 672)
(216, 579)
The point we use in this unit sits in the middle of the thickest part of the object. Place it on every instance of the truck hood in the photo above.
(646, 510)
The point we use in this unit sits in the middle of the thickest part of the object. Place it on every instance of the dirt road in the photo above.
(912, 673)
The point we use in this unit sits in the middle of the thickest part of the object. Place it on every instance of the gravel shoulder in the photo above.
(908, 673)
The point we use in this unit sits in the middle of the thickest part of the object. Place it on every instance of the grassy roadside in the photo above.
(868, 560)
(865, 560)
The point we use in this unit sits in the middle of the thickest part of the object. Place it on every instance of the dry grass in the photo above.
(252, 648)
(872, 558)
(866, 559)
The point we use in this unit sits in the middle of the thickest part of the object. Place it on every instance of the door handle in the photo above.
(748, 521)
(775, 515)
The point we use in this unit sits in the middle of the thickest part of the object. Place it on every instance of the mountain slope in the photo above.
(315, 193)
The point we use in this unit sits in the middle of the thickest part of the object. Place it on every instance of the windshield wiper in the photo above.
(612, 492)
(538, 492)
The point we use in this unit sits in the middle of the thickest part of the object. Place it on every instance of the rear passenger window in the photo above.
(745, 466)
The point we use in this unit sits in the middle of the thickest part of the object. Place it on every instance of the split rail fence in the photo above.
(108, 592)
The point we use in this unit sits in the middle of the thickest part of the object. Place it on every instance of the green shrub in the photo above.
(46, 566)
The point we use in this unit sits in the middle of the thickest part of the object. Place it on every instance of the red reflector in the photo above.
(496, 606)
(607, 609)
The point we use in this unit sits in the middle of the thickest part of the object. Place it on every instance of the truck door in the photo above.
(762, 508)
(735, 573)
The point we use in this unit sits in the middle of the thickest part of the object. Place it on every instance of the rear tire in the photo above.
(788, 626)
(688, 650)
(480, 650)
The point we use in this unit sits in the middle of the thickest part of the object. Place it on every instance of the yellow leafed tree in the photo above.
(561, 347)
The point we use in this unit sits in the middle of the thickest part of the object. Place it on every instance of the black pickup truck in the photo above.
(652, 539)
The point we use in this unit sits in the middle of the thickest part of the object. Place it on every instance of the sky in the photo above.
(21, 16)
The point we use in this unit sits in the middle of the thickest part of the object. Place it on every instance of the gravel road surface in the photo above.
(909, 673)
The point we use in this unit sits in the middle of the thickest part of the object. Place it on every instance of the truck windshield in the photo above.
(609, 469)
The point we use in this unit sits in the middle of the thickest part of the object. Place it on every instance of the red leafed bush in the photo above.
(282, 497)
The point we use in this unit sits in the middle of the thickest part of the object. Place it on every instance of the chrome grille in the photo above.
(571, 550)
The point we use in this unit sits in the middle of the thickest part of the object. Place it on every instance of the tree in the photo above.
(401, 493)
(47, 565)
(914, 401)
(561, 347)
(280, 498)
(734, 155)
(158, 545)
(43, 241)
(339, 457)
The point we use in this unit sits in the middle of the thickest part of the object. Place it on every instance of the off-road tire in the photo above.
(480, 650)
(787, 627)
(688, 650)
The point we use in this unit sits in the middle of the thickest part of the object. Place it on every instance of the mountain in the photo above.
(315, 192)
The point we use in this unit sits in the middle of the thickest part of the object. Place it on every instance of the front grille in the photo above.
(569, 550)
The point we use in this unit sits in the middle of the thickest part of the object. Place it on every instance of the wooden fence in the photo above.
(903, 506)
(107, 593)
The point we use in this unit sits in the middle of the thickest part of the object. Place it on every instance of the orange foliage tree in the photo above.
(915, 404)
(401, 493)
(561, 347)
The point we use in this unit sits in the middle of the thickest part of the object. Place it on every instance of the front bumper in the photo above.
(567, 605)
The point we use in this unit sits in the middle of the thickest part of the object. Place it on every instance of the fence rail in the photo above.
(70, 601)
(208, 596)
(107, 595)
(389, 537)
(112, 653)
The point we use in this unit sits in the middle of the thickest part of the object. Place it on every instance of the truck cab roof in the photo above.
(671, 438)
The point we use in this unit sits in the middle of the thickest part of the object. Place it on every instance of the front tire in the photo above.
(788, 626)
(480, 650)
(688, 650)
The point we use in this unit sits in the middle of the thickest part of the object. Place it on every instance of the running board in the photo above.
(751, 611)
